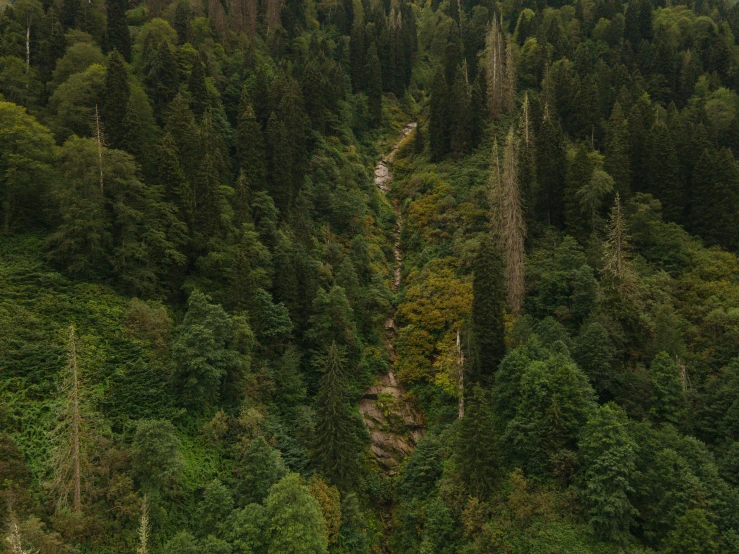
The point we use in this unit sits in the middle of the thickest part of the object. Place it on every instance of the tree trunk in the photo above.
(75, 423)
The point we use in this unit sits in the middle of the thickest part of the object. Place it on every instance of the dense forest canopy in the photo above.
(220, 335)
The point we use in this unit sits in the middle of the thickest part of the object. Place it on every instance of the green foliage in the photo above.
(155, 456)
(693, 533)
(258, 468)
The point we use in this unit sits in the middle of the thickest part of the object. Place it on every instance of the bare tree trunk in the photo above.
(513, 225)
(99, 138)
(144, 527)
(75, 422)
(28, 46)
(460, 378)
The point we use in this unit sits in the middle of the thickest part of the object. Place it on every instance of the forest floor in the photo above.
(395, 427)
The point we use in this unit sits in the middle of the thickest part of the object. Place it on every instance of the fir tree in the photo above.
(616, 253)
(162, 79)
(115, 100)
(662, 173)
(250, 144)
(438, 119)
(551, 170)
(196, 85)
(488, 301)
(374, 86)
(616, 162)
(338, 430)
(182, 22)
(459, 113)
(579, 175)
(117, 35)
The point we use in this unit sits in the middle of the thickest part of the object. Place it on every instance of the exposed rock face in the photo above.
(394, 425)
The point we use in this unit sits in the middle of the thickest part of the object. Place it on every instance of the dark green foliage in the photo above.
(617, 151)
(475, 447)
(607, 458)
(115, 100)
(693, 533)
(439, 117)
(488, 302)
(551, 170)
(668, 399)
(258, 468)
(196, 86)
(339, 433)
(117, 35)
(597, 356)
(374, 87)
(209, 350)
(662, 172)
(155, 456)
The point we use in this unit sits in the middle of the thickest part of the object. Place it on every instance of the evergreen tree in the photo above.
(608, 456)
(115, 100)
(117, 35)
(199, 100)
(668, 398)
(438, 118)
(374, 86)
(663, 172)
(182, 22)
(526, 164)
(579, 175)
(294, 522)
(512, 224)
(162, 79)
(475, 446)
(338, 435)
(488, 302)
(616, 162)
(250, 144)
(695, 533)
(459, 113)
(551, 170)
(257, 469)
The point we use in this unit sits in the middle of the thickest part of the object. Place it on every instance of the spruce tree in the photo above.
(551, 170)
(337, 445)
(374, 86)
(488, 301)
(663, 178)
(162, 79)
(438, 118)
(115, 100)
(182, 21)
(579, 174)
(459, 113)
(196, 85)
(117, 35)
(250, 144)
(616, 162)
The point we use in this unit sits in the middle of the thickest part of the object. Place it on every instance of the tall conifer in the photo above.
(115, 100)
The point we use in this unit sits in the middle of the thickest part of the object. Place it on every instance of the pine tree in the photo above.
(616, 162)
(513, 225)
(115, 100)
(438, 118)
(117, 35)
(488, 301)
(374, 86)
(338, 431)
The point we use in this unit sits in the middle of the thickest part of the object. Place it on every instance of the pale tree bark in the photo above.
(494, 68)
(513, 225)
(77, 474)
(100, 139)
(460, 375)
(144, 527)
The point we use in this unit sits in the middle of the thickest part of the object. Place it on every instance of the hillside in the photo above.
(411, 277)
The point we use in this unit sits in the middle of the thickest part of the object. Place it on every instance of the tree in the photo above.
(259, 467)
(115, 100)
(250, 144)
(339, 432)
(117, 35)
(488, 301)
(551, 169)
(459, 112)
(591, 197)
(616, 162)
(207, 351)
(668, 399)
(374, 85)
(513, 225)
(162, 78)
(26, 152)
(144, 527)
(607, 456)
(73, 433)
(694, 533)
(156, 460)
(294, 520)
(215, 507)
(579, 174)
(662, 172)
(475, 445)
(616, 253)
(494, 69)
(199, 99)
(438, 117)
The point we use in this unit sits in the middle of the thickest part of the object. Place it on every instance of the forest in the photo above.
(369, 276)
